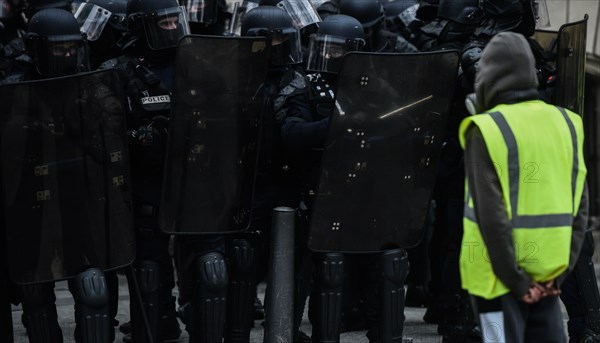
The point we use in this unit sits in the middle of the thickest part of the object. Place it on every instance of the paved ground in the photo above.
(415, 328)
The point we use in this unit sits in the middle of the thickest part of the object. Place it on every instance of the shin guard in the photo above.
(329, 281)
(240, 303)
(394, 267)
(91, 307)
(147, 274)
(209, 304)
(39, 313)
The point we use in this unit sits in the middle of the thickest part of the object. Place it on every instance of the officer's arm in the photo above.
(301, 129)
(491, 214)
(300, 133)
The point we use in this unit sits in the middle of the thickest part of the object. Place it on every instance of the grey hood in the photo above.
(506, 73)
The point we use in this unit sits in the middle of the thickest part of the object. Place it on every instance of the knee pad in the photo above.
(212, 273)
(91, 306)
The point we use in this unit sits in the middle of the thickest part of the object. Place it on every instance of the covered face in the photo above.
(165, 27)
(57, 46)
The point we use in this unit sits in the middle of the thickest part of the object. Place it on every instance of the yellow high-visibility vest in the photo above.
(537, 152)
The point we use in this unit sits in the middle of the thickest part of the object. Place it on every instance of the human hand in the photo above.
(551, 290)
(534, 294)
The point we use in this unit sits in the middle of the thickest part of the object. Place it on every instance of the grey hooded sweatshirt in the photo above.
(506, 76)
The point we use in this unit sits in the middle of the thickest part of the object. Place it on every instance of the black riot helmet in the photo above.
(508, 15)
(30, 7)
(275, 24)
(203, 12)
(368, 12)
(465, 12)
(57, 45)
(162, 22)
(399, 13)
(338, 34)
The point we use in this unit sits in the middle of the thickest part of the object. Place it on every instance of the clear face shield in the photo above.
(302, 12)
(326, 52)
(285, 43)
(201, 11)
(164, 28)
(238, 11)
(540, 12)
(62, 55)
(92, 19)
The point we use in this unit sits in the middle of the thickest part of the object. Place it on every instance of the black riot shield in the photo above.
(65, 176)
(379, 162)
(213, 134)
(570, 65)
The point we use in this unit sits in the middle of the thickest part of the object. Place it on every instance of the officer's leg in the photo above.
(394, 267)
(417, 291)
(581, 298)
(147, 278)
(6, 290)
(112, 284)
(155, 275)
(303, 276)
(91, 307)
(39, 313)
(241, 291)
(209, 302)
(328, 298)
(6, 329)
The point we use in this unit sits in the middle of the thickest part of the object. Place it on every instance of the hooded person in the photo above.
(526, 204)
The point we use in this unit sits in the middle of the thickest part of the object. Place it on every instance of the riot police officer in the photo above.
(206, 17)
(303, 108)
(452, 27)
(154, 28)
(248, 251)
(57, 48)
(400, 16)
(371, 15)
(13, 54)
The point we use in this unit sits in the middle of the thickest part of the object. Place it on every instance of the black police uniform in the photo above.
(39, 310)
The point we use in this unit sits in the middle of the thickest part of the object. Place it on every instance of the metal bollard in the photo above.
(279, 297)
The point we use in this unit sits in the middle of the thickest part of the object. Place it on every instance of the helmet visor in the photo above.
(326, 52)
(285, 46)
(164, 28)
(201, 11)
(92, 19)
(55, 57)
(302, 12)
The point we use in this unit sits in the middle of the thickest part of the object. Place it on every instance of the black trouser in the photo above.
(507, 319)
(580, 293)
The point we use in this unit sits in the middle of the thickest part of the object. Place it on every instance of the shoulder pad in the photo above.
(297, 83)
(117, 62)
(295, 86)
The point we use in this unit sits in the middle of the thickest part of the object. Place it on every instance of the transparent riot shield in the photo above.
(379, 162)
(570, 65)
(66, 193)
(213, 134)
